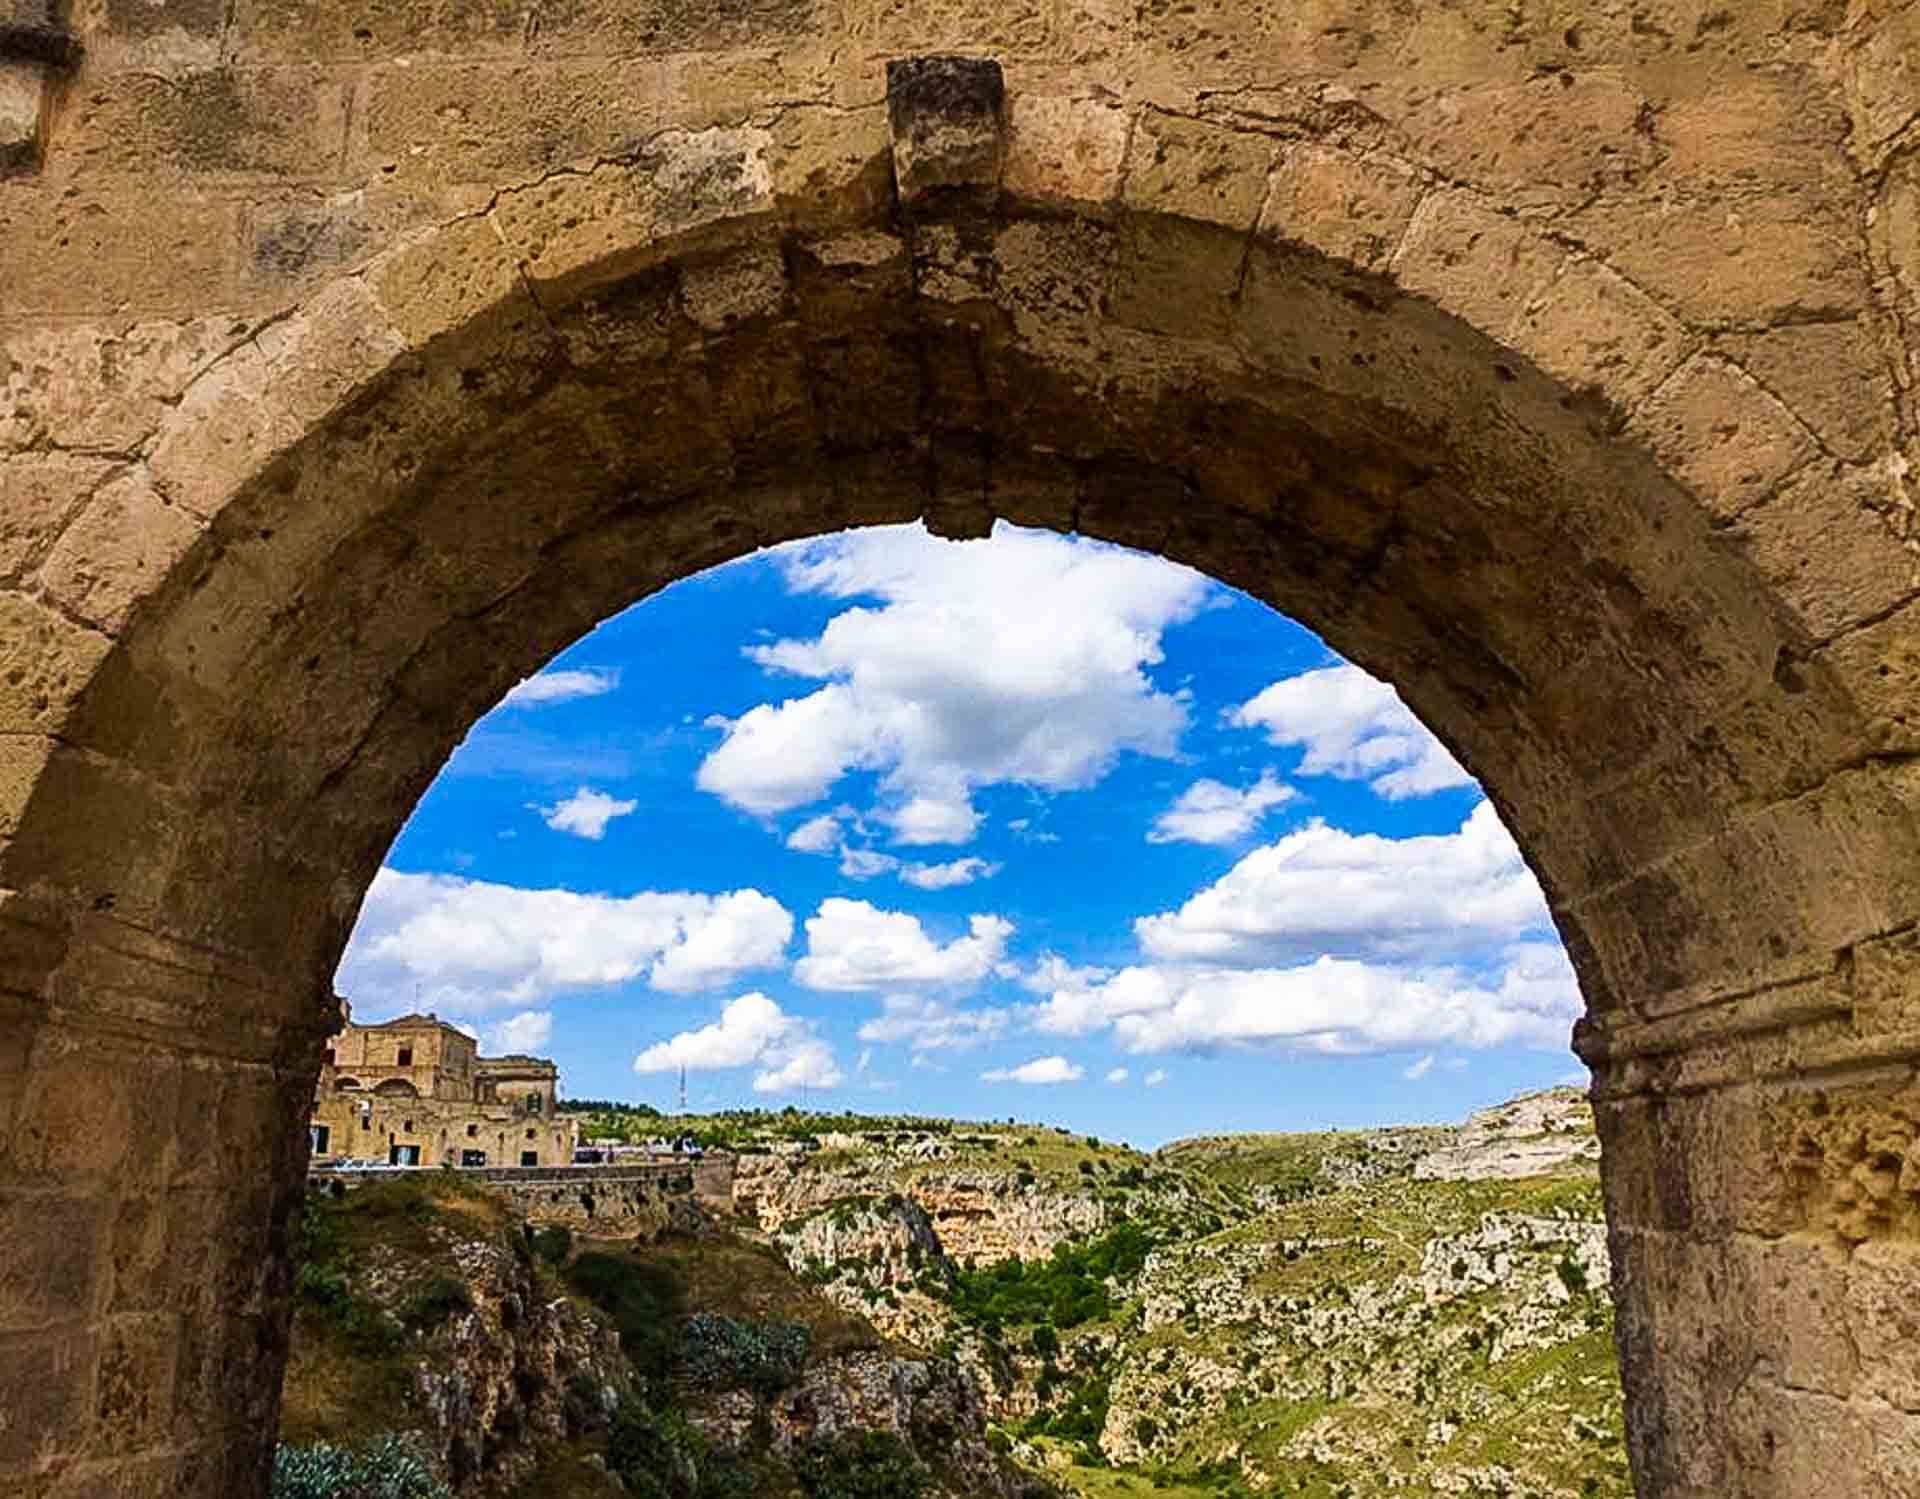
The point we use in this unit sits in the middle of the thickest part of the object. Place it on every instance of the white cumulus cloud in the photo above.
(470, 945)
(585, 814)
(1417, 1070)
(865, 863)
(1210, 811)
(1331, 1006)
(817, 835)
(1023, 658)
(1039, 1071)
(932, 1024)
(560, 687)
(946, 876)
(751, 1031)
(520, 1034)
(853, 946)
(1355, 727)
(1156, 1077)
(1118, 1075)
(1320, 890)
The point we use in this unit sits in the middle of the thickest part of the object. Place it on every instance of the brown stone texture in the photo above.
(1552, 360)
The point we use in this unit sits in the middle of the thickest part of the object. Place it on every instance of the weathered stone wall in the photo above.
(1552, 360)
(606, 1202)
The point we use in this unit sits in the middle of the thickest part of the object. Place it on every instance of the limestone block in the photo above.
(277, 31)
(23, 757)
(1593, 329)
(893, 28)
(1546, 141)
(42, 489)
(1828, 544)
(623, 27)
(133, 1392)
(262, 396)
(832, 168)
(1760, 259)
(443, 279)
(1722, 435)
(1884, 1321)
(21, 87)
(1798, 1292)
(85, 263)
(1064, 149)
(1834, 377)
(119, 548)
(221, 122)
(178, 37)
(1479, 264)
(1883, 81)
(1880, 666)
(48, 1278)
(506, 122)
(44, 1379)
(1353, 208)
(45, 662)
(718, 294)
(575, 232)
(1197, 171)
(102, 386)
(1897, 228)
(948, 118)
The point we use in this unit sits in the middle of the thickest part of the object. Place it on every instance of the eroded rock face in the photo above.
(1530, 1136)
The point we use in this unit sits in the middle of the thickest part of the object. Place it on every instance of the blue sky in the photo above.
(1030, 826)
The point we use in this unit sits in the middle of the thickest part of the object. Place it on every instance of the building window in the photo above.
(406, 1056)
(317, 1136)
(529, 1158)
(533, 1134)
(403, 1155)
(407, 1129)
(473, 1158)
(533, 1103)
(473, 1131)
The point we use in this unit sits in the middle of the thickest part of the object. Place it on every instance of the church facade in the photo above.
(415, 1091)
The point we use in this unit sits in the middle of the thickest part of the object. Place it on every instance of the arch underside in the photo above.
(409, 491)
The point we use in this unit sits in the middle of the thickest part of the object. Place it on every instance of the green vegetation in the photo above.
(871, 1465)
(645, 1303)
(723, 1354)
(386, 1469)
(1065, 1291)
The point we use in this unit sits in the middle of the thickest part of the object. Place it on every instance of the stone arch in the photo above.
(348, 1085)
(396, 1087)
(1560, 491)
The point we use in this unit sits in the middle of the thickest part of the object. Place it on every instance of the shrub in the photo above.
(1046, 1342)
(553, 1243)
(870, 1465)
(387, 1469)
(727, 1355)
(644, 1303)
(441, 1298)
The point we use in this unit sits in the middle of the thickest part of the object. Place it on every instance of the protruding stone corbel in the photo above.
(949, 121)
(35, 48)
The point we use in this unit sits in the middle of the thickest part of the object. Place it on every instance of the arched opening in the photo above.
(396, 1087)
(414, 490)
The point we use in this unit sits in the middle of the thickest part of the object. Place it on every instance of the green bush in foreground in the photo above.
(388, 1469)
(870, 1465)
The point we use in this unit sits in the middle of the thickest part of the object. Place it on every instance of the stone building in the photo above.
(415, 1091)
